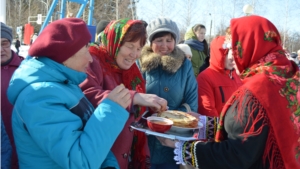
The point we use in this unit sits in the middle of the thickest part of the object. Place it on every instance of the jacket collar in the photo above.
(170, 63)
(61, 73)
(15, 60)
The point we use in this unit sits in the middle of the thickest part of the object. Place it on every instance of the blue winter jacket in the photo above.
(6, 149)
(54, 125)
(172, 78)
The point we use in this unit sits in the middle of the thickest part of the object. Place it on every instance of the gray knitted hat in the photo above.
(6, 32)
(162, 25)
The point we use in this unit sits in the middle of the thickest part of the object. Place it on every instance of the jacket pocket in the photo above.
(222, 94)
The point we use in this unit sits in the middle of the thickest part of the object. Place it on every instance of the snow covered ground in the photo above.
(23, 50)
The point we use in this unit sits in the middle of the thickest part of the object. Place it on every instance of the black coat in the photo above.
(233, 152)
(17, 44)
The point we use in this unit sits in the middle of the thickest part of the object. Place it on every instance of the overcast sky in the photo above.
(285, 14)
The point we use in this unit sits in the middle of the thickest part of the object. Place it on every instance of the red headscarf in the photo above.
(271, 79)
(111, 42)
(112, 38)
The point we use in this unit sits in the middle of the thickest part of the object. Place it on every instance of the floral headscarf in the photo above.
(112, 38)
(113, 35)
(272, 80)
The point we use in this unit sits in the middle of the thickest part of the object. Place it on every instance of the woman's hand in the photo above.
(120, 95)
(166, 142)
(156, 103)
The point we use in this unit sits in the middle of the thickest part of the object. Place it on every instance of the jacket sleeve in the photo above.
(59, 134)
(233, 152)
(110, 161)
(195, 61)
(206, 102)
(6, 149)
(92, 86)
(191, 86)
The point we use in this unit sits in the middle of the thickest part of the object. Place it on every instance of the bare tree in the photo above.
(125, 9)
(132, 4)
(188, 12)
(286, 20)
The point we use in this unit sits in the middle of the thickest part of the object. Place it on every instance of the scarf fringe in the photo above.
(252, 105)
(271, 152)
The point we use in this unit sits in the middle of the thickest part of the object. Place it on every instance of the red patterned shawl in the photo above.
(274, 81)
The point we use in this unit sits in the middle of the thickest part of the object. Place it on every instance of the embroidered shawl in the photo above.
(259, 56)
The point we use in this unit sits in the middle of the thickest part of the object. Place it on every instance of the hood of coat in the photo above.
(170, 63)
(41, 70)
(217, 55)
(190, 34)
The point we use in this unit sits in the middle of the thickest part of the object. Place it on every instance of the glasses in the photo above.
(5, 44)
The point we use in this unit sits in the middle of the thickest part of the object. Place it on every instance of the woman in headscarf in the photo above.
(259, 125)
(114, 64)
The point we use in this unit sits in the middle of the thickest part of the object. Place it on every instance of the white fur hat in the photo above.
(185, 48)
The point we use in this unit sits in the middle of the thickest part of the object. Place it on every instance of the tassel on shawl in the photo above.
(255, 123)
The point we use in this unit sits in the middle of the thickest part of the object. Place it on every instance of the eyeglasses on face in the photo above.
(5, 44)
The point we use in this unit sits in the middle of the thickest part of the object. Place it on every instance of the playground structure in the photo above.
(63, 10)
(44, 20)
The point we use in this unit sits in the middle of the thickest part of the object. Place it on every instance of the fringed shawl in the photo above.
(271, 79)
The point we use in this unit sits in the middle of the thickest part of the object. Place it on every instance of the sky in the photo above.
(284, 14)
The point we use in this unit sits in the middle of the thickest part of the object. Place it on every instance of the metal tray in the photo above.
(185, 135)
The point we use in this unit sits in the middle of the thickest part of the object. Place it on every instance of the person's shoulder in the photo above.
(186, 61)
(48, 91)
(207, 71)
(95, 67)
(187, 64)
(257, 80)
(45, 86)
(206, 75)
(16, 59)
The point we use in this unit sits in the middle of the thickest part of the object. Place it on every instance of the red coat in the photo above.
(96, 87)
(6, 108)
(215, 85)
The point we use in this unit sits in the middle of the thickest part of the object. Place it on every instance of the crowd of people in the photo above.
(70, 103)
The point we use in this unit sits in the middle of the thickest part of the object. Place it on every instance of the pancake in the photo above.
(180, 119)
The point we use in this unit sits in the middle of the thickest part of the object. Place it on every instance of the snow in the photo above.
(23, 50)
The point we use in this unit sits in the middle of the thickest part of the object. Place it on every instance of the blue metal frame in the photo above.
(63, 8)
(91, 12)
(63, 11)
(81, 9)
(49, 14)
